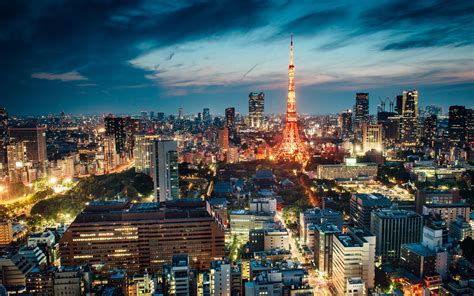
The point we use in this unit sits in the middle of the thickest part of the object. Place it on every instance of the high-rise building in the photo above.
(256, 108)
(318, 216)
(372, 137)
(180, 113)
(3, 137)
(220, 278)
(394, 228)
(409, 118)
(457, 126)
(115, 128)
(230, 117)
(390, 122)
(362, 205)
(470, 125)
(346, 124)
(178, 276)
(353, 256)
(168, 176)
(223, 138)
(34, 139)
(206, 115)
(17, 160)
(430, 130)
(323, 246)
(291, 146)
(361, 109)
(138, 236)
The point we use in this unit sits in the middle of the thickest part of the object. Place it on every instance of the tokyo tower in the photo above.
(291, 147)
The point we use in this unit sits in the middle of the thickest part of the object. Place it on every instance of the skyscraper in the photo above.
(430, 130)
(457, 126)
(323, 246)
(206, 115)
(168, 170)
(223, 138)
(256, 108)
(291, 147)
(409, 118)
(122, 129)
(180, 113)
(346, 124)
(35, 142)
(230, 117)
(158, 159)
(3, 137)
(361, 109)
(372, 137)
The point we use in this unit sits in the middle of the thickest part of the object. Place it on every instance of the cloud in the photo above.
(316, 21)
(67, 76)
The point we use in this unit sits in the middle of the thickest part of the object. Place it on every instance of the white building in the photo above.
(355, 287)
(276, 240)
(263, 205)
(353, 256)
(220, 278)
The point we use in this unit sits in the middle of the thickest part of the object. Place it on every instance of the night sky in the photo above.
(128, 56)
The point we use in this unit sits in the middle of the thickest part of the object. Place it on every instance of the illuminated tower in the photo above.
(291, 147)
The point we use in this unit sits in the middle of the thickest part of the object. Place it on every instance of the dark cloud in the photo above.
(421, 23)
(314, 22)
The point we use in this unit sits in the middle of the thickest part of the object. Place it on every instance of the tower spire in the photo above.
(291, 50)
(291, 146)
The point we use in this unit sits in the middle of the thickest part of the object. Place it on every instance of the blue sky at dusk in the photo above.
(129, 56)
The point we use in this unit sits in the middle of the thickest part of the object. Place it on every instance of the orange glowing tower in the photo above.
(291, 147)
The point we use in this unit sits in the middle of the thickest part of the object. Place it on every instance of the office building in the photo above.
(424, 196)
(17, 160)
(318, 216)
(68, 281)
(418, 259)
(348, 171)
(256, 108)
(361, 109)
(122, 130)
(123, 235)
(390, 122)
(409, 118)
(206, 115)
(460, 229)
(346, 124)
(449, 212)
(40, 280)
(323, 246)
(430, 130)
(435, 233)
(230, 118)
(470, 125)
(394, 228)
(220, 278)
(355, 287)
(6, 233)
(242, 221)
(34, 139)
(353, 256)
(372, 137)
(168, 177)
(362, 205)
(158, 159)
(14, 268)
(178, 276)
(457, 126)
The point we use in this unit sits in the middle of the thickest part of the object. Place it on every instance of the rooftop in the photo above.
(371, 200)
(419, 249)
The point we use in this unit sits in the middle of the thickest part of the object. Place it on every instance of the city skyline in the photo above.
(127, 58)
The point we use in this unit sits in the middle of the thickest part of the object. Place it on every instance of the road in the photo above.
(319, 285)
